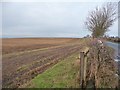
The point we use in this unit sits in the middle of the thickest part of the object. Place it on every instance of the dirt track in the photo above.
(18, 68)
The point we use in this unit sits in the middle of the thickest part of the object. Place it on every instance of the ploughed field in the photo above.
(23, 59)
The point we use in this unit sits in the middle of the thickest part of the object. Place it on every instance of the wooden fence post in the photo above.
(85, 68)
(81, 69)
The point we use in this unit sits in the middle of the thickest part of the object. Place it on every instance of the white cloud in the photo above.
(60, 0)
(0, 19)
(50, 19)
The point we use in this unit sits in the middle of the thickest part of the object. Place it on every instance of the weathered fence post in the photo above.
(85, 68)
(81, 68)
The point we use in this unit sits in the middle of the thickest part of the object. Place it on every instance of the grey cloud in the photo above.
(45, 19)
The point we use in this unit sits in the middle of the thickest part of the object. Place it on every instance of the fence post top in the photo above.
(85, 50)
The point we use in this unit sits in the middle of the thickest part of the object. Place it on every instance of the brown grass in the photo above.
(22, 44)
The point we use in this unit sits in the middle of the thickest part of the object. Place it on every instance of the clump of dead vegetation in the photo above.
(101, 68)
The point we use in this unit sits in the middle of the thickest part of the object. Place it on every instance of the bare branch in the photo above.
(99, 20)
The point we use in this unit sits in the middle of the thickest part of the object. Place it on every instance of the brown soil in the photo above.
(22, 44)
(20, 67)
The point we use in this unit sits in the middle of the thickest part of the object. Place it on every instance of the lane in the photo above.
(116, 47)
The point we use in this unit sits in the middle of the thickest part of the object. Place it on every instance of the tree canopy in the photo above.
(100, 19)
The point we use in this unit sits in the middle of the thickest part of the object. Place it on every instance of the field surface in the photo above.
(23, 59)
(64, 74)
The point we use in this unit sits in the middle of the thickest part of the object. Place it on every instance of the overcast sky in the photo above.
(48, 19)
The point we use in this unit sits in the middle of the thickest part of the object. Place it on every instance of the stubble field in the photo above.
(23, 59)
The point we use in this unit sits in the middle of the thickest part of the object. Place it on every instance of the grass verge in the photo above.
(64, 74)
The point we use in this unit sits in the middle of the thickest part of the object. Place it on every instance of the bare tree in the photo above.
(99, 20)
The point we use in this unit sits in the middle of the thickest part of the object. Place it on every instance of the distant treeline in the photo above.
(113, 39)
